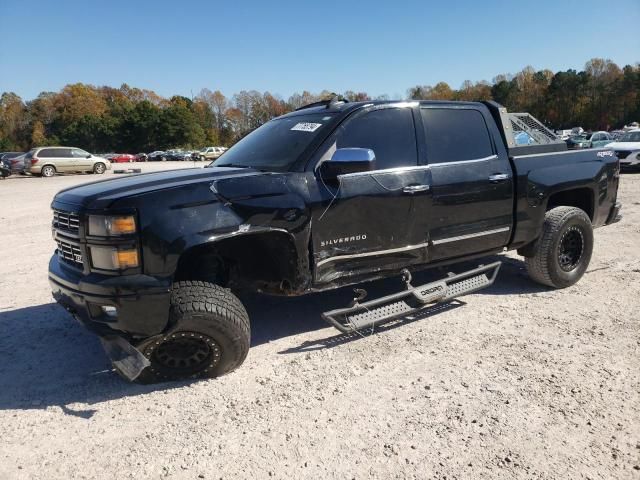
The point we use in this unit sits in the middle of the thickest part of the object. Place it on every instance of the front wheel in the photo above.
(210, 335)
(564, 249)
(99, 168)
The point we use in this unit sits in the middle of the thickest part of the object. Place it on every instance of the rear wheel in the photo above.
(210, 336)
(99, 168)
(564, 249)
(48, 171)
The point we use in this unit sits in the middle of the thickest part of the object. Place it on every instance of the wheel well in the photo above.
(258, 261)
(581, 198)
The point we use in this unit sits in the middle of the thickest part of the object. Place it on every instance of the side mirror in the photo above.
(348, 160)
(89, 156)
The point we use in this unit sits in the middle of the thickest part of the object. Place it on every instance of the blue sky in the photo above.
(181, 46)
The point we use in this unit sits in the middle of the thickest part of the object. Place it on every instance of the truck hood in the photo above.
(101, 194)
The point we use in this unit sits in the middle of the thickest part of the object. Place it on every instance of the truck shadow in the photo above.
(278, 317)
(50, 360)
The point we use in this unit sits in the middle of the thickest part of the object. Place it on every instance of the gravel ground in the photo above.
(516, 381)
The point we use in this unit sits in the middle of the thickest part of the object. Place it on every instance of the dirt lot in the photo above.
(517, 381)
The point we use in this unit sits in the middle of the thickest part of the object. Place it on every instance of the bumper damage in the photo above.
(125, 306)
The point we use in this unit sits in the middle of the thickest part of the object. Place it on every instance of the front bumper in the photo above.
(141, 301)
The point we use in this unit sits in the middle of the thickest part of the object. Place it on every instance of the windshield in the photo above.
(276, 144)
(630, 137)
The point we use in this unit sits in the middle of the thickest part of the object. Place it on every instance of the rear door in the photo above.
(62, 159)
(472, 184)
(53, 156)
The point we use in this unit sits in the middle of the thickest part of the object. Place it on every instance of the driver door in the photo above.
(364, 223)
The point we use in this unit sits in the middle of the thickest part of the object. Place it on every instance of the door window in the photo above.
(455, 134)
(77, 153)
(389, 132)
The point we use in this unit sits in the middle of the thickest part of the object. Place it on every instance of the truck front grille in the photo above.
(622, 154)
(68, 221)
(69, 253)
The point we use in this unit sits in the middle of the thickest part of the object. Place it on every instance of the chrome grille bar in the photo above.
(69, 253)
(66, 220)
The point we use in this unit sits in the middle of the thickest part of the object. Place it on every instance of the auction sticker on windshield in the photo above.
(306, 127)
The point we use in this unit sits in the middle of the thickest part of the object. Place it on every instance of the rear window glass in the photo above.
(455, 134)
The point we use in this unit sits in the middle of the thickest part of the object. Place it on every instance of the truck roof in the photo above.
(347, 107)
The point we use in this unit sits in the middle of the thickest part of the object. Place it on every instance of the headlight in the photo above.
(110, 225)
(113, 258)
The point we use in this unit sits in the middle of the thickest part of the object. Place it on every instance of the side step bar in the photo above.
(410, 301)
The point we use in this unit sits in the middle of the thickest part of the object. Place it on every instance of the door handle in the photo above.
(499, 177)
(415, 188)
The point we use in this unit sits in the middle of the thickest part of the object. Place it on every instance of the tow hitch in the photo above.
(411, 300)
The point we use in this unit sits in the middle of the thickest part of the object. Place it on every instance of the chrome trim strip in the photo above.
(564, 152)
(371, 254)
(462, 162)
(385, 171)
(471, 235)
(417, 167)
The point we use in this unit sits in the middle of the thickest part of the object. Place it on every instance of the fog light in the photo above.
(109, 311)
(112, 258)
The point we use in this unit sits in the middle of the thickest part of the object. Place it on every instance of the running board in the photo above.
(410, 301)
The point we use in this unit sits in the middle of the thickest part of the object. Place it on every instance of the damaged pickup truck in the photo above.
(333, 194)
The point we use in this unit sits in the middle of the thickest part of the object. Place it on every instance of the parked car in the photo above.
(178, 155)
(589, 140)
(5, 169)
(47, 161)
(209, 153)
(17, 163)
(623, 147)
(141, 157)
(330, 195)
(630, 162)
(599, 139)
(563, 134)
(576, 142)
(123, 158)
(157, 156)
(183, 155)
(13, 160)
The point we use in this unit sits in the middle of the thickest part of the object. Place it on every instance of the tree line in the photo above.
(126, 119)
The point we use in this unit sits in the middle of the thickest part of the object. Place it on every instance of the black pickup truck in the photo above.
(333, 194)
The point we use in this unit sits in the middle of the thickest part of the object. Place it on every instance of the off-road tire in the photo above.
(48, 171)
(200, 312)
(545, 266)
(99, 168)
